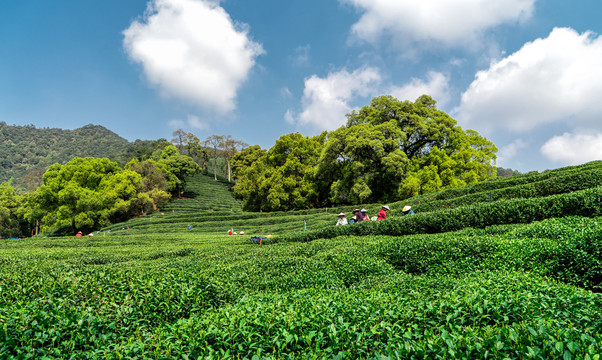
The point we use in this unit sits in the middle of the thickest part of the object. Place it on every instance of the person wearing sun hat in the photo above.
(364, 214)
(407, 210)
(382, 214)
(342, 219)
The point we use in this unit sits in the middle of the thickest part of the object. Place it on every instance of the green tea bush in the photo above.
(584, 203)
(550, 186)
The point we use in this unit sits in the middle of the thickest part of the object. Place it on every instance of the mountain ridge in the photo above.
(28, 150)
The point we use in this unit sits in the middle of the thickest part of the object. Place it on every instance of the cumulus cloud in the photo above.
(449, 22)
(553, 80)
(192, 50)
(326, 100)
(573, 149)
(436, 85)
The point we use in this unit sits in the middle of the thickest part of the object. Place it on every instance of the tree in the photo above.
(193, 144)
(249, 171)
(9, 204)
(229, 148)
(154, 180)
(215, 142)
(178, 167)
(178, 140)
(87, 193)
(503, 172)
(282, 177)
(81, 194)
(391, 149)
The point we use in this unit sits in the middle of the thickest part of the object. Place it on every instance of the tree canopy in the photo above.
(388, 150)
(280, 178)
(87, 193)
(9, 203)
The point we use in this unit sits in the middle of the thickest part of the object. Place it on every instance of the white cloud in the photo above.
(326, 100)
(437, 86)
(553, 80)
(196, 123)
(573, 149)
(289, 117)
(449, 22)
(192, 50)
(191, 121)
(509, 152)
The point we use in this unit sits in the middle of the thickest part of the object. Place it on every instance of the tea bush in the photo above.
(505, 279)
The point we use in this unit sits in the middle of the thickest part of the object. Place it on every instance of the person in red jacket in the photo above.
(382, 214)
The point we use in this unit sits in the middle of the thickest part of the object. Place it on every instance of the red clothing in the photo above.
(382, 214)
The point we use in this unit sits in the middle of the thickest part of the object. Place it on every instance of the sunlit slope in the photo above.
(575, 190)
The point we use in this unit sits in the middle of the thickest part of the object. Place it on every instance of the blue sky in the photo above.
(527, 74)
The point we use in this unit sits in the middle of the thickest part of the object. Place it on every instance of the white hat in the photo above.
(364, 210)
(342, 214)
(242, 233)
(386, 207)
(406, 208)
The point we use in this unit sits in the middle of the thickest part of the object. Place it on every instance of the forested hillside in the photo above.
(28, 149)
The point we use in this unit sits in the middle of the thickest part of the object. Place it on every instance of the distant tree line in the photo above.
(388, 150)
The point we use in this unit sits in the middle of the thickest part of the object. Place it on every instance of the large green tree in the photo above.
(85, 194)
(395, 149)
(280, 178)
(178, 168)
(9, 206)
(154, 180)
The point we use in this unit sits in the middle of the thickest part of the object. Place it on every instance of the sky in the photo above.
(526, 74)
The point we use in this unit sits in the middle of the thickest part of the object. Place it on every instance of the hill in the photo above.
(27, 149)
(505, 269)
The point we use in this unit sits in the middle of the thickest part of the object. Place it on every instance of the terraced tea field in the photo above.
(510, 268)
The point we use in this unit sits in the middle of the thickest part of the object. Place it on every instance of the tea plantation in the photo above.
(507, 269)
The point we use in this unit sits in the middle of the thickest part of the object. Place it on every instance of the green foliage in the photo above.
(472, 294)
(28, 149)
(10, 224)
(391, 149)
(388, 150)
(87, 193)
(583, 203)
(177, 167)
(502, 172)
(282, 177)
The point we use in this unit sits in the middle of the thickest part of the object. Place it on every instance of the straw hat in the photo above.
(386, 207)
(355, 211)
(406, 208)
(341, 214)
